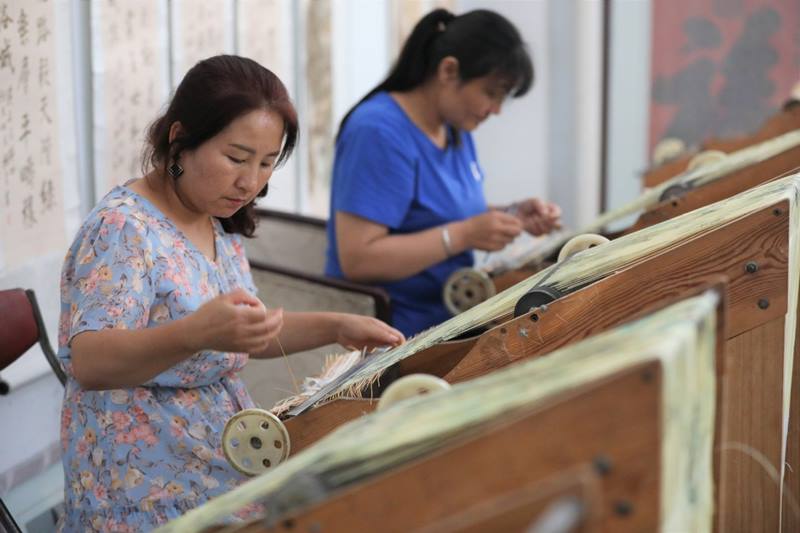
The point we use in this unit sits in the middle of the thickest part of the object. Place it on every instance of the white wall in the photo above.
(588, 32)
(629, 100)
(361, 50)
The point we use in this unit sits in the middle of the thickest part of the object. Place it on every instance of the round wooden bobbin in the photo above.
(255, 441)
(667, 149)
(580, 243)
(466, 288)
(411, 386)
(706, 157)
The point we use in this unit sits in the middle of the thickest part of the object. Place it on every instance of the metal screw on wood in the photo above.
(602, 465)
(623, 508)
(763, 303)
(777, 211)
(751, 267)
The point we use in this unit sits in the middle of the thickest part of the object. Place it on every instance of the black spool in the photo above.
(534, 298)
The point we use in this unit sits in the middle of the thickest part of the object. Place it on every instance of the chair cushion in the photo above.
(18, 328)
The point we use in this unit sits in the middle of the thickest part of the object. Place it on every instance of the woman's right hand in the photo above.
(490, 231)
(233, 322)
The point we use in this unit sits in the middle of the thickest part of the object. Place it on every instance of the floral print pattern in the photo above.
(135, 458)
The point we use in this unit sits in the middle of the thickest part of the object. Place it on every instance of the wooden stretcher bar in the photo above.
(725, 187)
(715, 191)
(787, 119)
(468, 487)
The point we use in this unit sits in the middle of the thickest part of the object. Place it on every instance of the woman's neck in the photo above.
(155, 188)
(420, 106)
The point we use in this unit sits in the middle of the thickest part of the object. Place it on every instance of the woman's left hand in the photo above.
(538, 217)
(356, 331)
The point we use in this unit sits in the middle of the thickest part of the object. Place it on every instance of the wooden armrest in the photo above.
(379, 295)
(290, 217)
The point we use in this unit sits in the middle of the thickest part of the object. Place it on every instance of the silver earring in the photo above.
(175, 170)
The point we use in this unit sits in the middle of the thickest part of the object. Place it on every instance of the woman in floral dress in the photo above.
(159, 311)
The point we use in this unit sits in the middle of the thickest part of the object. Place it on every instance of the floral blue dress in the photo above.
(135, 458)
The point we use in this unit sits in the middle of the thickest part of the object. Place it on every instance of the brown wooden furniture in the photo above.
(21, 327)
(725, 187)
(752, 254)
(594, 444)
(595, 450)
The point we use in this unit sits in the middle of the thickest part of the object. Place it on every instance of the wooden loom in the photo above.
(785, 120)
(745, 239)
(639, 461)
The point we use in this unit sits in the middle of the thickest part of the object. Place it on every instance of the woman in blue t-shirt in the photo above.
(407, 202)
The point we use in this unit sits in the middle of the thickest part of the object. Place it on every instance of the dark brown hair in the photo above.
(214, 93)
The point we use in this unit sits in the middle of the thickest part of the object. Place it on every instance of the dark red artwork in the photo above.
(720, 67)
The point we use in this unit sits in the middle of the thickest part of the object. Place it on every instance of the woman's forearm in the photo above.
(118, 358)
(303, 331)
(396, 257)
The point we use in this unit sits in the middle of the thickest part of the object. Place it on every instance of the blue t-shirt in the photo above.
(388, 171)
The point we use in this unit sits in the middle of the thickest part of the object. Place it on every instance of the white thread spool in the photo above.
(579, 244)
(706, 157)
(666, 149)
(466, 288)
(254, 441)
(410, 386)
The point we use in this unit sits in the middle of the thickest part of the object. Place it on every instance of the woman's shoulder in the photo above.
(119, 209)
(377, 113)
(116, 230)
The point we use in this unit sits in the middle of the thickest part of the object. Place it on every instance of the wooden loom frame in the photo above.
(605, 462)
(752, 415)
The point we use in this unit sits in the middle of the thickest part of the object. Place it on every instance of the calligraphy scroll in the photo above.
(319, 103)
(129, 50)
(406, 14)
(31, 196)
(200, 29)
(264, 33)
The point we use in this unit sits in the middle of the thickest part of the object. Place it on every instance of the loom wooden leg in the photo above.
(791, 483)
(751, 430)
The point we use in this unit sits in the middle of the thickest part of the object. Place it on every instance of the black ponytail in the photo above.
(483, 42)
